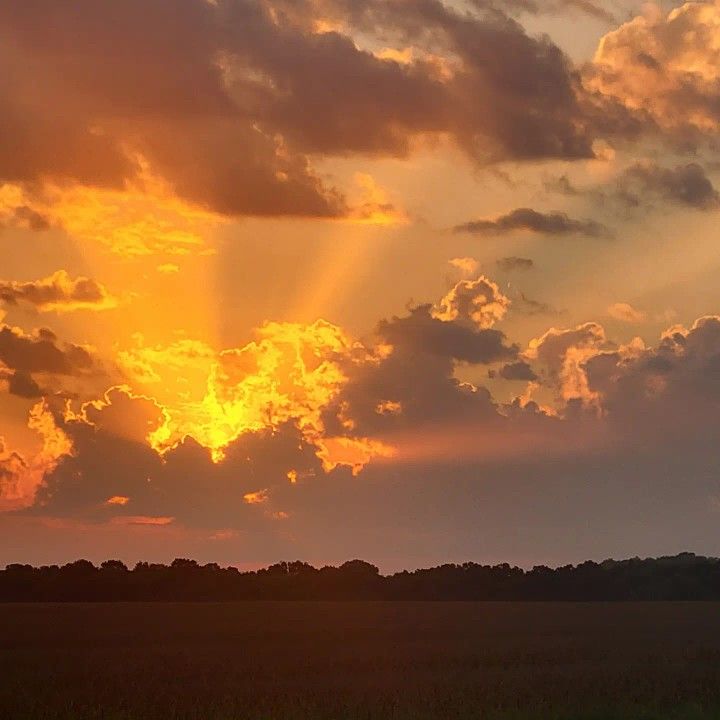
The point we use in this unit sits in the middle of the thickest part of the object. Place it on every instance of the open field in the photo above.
(376, 661)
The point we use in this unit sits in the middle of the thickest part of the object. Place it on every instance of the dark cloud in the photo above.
(513, 263)
(40, 353)
(684, 185)
(23, 385)
(421, 332)
(531, 220)
(645, 183)
(228, 100)
(676, 383)
(517, 371)
(57, 292)
(554, 7)
(114, 475)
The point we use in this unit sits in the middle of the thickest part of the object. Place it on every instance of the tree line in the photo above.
(682, 577)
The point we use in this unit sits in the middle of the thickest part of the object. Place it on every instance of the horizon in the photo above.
(131, 566)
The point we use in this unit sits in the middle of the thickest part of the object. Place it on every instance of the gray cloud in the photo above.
(517, 371)
(531, 220)
(511, 264)
(684, 185)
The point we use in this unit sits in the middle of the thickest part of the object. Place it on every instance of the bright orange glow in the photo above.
(355, 453)
(139, 220)
(290, 373)
(256, 498)
(374, 206)
(118, 500)
(143, 520)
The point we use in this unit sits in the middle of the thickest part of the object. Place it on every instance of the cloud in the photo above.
(626, 313)
(25, 217)
(41, 353)
(21, 476)
(645, 184)
(554, 7)
(562, 353)
(22, 385)
(477, 303)
(529, 220)
(661, 71)
(467, 266)
(686, 185)
(58, 293)
(513, 263)
(517, 371)
(221, 99)
(462, 461)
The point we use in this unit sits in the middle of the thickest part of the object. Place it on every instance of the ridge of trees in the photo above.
(681, 577)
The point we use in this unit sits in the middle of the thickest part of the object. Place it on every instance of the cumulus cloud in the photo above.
(462, 457)
(661, 69)
(476, 303)
(562, 353)
(529, 220)
(58, 293)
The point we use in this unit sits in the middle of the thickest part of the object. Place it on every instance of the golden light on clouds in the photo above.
(258, 497)
(333, 241)
(26, 474)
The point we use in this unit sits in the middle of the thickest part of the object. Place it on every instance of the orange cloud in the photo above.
(289, 373)
(563, 354)
(478, 302)
(259, 497)
(664, 66)
(626, 313)
(354, 453)
(373, 207)
(20, 477)
(151, 521)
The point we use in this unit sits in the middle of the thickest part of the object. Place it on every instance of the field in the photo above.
(347, 661)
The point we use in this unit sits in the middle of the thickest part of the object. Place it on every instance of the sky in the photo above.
(413, 281)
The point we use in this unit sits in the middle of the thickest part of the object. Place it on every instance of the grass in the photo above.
(360, 661)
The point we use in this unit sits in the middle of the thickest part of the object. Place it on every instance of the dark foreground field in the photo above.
(415, 661)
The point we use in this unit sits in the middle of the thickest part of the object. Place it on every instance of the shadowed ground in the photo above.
(414, 661)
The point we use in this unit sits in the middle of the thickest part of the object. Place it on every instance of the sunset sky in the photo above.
(407, 280)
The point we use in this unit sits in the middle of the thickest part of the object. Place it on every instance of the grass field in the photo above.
(375, 661)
